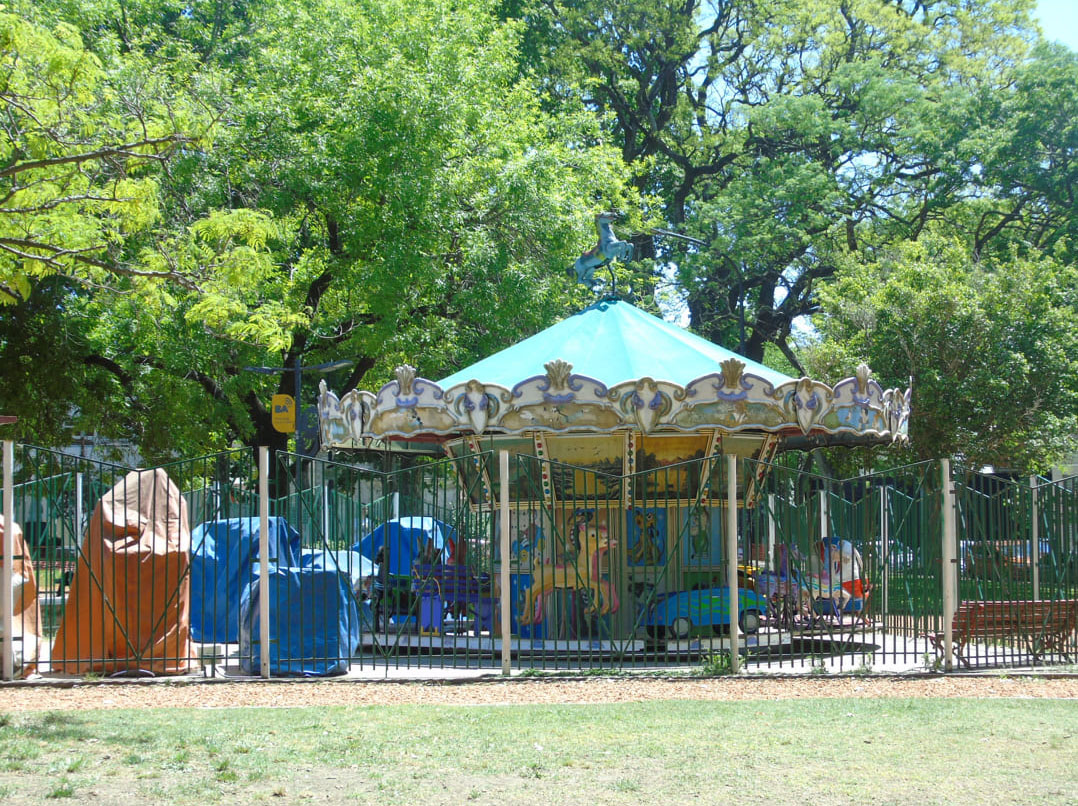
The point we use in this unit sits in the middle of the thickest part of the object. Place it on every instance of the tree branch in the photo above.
(125, 150)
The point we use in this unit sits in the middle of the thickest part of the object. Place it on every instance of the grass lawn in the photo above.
(792, 751)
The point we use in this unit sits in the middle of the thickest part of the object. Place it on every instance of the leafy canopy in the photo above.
(380, 184)
(81, 142)
(991, 347)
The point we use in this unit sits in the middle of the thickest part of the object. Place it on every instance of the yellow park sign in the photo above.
(284, 413)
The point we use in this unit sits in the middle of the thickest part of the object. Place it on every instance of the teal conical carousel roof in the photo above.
(607, 369)
(613, 342)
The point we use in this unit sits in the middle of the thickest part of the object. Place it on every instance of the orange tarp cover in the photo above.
(26, 614)
(128, 609)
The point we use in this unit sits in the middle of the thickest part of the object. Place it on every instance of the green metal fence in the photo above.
(417, 523)
(1017, 581)
(376, 570)
(54, 495)
(850, 567)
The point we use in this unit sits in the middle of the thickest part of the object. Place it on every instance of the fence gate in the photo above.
(102, 580)
(429, 531)
(850, 568)
(1017, 580)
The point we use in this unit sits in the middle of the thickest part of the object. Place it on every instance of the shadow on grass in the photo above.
(52, 725)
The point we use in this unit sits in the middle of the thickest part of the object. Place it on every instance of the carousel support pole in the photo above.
(771, 532)
(503, 571)
(731, 562)
(825, 516)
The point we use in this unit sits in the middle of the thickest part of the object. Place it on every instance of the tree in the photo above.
(1028, 161)
(790, 135)
(381, 186)
(79, 150)
(990, 348)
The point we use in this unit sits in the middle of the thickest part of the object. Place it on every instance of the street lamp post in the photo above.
(297, 371)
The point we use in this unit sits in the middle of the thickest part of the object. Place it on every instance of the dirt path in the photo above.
(514, 692)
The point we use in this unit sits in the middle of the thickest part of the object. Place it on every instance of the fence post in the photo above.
(771, 531)
(825, 516)
(7, 600)
(78, 510)
(731, 561)
(885, 547)
(263, 561)
(1035, 539)
(503, 571)
(325, 513)
(950, 563)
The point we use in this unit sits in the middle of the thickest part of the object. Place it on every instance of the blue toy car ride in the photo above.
(678, 612)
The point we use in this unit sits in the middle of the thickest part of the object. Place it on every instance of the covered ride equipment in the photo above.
(128, 609)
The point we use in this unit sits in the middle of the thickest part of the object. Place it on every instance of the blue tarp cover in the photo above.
(354, 567)
(314, 623)
(405, 538)
(352, 564)
(224, 557)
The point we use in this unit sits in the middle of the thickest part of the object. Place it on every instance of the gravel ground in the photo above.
(513, 692)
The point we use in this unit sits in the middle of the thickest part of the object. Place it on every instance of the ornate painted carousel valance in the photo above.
(612, 368)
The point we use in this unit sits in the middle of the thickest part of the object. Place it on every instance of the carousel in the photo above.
(612, 419)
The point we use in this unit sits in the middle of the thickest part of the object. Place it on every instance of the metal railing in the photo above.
(916, 567)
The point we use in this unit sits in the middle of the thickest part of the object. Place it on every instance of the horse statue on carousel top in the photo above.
(609, 248)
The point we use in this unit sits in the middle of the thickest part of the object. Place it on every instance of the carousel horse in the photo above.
(609, 248)
(584, 574)
(825, 584)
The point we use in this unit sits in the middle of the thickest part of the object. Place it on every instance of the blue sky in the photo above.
(1059, 20)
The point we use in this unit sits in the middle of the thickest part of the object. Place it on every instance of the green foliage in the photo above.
(1028, 148)
(379, 184)
(82, 136)
(991, 347)
(717, 664)
(192, 189)
(795, 134)
(61, 789)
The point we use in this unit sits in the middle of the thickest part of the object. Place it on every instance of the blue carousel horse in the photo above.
(608, 249)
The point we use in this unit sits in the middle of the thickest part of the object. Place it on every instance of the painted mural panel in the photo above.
(477, 463)
(586, 467)
(646, 543)
(524, 470)
(528, 544)
(701, 537)
(664, 467)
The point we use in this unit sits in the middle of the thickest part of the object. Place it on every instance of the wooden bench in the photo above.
(442, 586)
(1042, 626)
